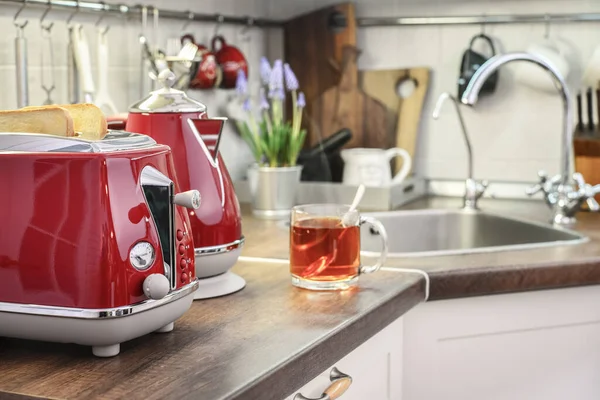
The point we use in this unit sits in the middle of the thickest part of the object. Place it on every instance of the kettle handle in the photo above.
(221, 41)
(486, 38)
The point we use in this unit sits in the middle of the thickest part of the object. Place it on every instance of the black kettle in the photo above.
(471, 61)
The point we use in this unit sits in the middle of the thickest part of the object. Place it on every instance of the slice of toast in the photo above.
(88, 119)
(51, 120)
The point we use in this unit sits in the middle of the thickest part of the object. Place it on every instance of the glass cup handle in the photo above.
(384, 245)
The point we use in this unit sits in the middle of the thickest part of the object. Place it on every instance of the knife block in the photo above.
(587, 161)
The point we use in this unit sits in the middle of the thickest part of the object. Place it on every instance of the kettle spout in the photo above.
(209, 130)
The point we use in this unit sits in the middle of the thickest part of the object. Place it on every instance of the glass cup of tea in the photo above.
(325, 246)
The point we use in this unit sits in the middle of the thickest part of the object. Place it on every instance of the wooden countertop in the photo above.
(270, 338)
(263, 342)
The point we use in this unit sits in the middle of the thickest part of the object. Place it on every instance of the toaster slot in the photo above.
(159, 191)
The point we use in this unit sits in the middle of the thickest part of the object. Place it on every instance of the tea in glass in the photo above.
(325, 252)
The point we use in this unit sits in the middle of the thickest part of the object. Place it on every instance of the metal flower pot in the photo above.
(273, 190)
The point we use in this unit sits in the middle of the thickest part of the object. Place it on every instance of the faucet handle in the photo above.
(592, 204)
(586, 192)
(545, 184)
(538, 187)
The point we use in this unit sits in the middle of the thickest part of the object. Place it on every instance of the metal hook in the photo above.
(191, 16)
(46, 28)
(483, 24)
(103, 4)
(220, 19)
(249, 24)
(24, 24)
(73, 13)
(546, 26)
(104, 11)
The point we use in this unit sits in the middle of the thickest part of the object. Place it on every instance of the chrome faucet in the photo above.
(565, 192)
(473, 189)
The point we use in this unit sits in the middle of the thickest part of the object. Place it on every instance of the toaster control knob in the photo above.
(189, 199)
(156, 286)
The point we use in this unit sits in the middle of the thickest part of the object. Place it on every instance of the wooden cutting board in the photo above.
(346, 105)
(310, 42)
(383, 85)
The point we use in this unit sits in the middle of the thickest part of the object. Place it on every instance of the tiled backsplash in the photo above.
(124, 50)
(514, 133)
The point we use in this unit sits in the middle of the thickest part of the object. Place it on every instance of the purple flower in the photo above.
(265, 70)
(276, 78)
(264, 104)
(291, 82)
(277, 94)
(241, 83)
(301, 103)
(246, 106)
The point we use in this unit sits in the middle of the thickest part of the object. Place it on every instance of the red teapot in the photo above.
(230, 59)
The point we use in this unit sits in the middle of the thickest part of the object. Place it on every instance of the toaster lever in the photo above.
(189, 199)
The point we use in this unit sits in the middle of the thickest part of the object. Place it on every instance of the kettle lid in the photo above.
(167, 99)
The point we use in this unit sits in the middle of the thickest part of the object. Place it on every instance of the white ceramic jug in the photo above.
(371, 167)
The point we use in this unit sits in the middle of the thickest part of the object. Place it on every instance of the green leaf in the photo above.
(281, 148)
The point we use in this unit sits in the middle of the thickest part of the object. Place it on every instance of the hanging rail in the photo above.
(136, 11)
(478, 20)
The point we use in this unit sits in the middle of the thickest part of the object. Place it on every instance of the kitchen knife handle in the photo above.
(590, 109)
(328, 145)
(21, 66)
(580, 127)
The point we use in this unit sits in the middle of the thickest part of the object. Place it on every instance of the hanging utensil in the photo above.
(47, 48)
(83, 62)
(72, 72)
(145, 53)
(158, 61)
(148, 57)
(21, 60)
(103, 99)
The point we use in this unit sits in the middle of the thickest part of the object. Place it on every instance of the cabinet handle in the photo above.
(340, 382)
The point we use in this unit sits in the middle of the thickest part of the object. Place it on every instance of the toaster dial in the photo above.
(142, 256)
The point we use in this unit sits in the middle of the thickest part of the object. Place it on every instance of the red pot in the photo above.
(206, 73)
(230, 59)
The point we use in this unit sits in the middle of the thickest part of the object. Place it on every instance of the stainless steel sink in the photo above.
(438, 232)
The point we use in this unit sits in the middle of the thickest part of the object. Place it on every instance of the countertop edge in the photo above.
(486, 281)
(312, 361)
(17, 396)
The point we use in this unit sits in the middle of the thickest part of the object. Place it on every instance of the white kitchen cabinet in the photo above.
(371, 366)
(523, 346)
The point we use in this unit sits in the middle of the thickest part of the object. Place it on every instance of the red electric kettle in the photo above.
(170, 117)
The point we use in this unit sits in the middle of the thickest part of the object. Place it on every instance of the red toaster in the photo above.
(170, 117)
(95, 245)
